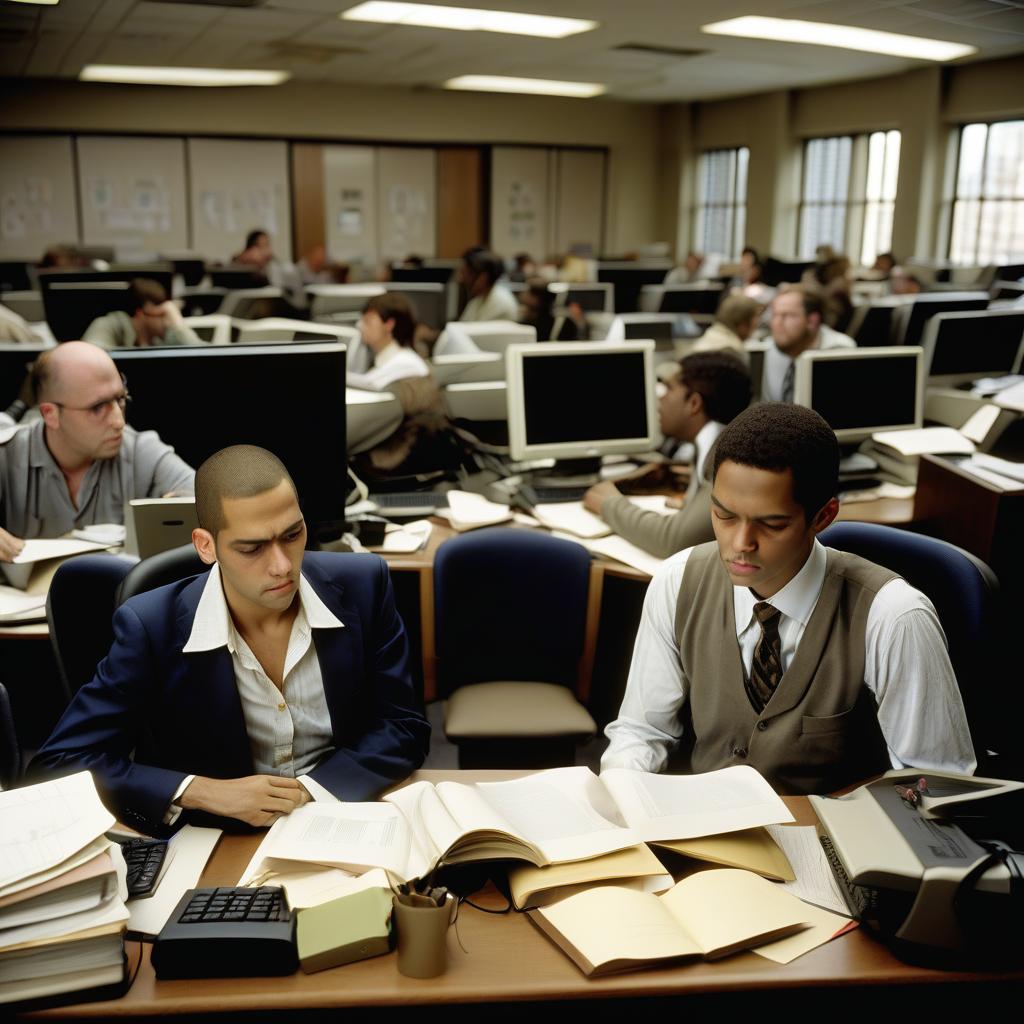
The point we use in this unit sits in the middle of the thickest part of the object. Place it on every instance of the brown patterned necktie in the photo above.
(766, 669)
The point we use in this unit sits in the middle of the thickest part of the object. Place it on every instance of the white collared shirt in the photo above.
(289, 728)
(392, 363)
(703, 442)
(920, 711)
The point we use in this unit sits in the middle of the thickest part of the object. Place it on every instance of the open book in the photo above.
(552, 817)
(709, 914)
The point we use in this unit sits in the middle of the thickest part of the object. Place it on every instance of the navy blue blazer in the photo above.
(153, 715)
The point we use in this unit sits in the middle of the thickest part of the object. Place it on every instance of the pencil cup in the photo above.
(422, 937)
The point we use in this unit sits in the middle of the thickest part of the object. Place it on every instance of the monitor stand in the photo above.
(569, 473)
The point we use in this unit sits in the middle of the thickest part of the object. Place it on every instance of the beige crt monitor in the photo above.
(579, 400)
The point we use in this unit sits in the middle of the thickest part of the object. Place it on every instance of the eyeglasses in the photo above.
(100, 409)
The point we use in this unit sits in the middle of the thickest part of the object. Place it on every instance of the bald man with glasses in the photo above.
(79, 462)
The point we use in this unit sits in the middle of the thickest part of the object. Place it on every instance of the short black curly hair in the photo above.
(778, 436)
(721, 380)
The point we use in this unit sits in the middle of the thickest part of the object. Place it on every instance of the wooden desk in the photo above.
(508, 960)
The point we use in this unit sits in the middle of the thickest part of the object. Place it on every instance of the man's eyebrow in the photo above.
(298, 524)
(761, 519)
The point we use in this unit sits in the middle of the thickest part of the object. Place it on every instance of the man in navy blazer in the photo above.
(278, 677)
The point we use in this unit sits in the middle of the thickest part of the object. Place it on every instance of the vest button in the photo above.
(739, 752)
(762, 726)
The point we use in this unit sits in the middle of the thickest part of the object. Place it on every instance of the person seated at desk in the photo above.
(79, 462)
(797, 326)
(687, 272)
(488, 300)
(278, 677)
(153, 320)
(816, 667)
(735, 322)
(710, 390)
(387, 328)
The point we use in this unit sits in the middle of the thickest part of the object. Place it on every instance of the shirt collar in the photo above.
(705, 438)
(796, 600)
(212, 627)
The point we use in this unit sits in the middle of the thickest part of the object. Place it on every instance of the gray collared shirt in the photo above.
(34, 497)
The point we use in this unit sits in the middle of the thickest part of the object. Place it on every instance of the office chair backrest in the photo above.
(252, 303)
(79, 607)
(509, 605)
(963, 589)
(158, 571)
(214, 328)
(10, 750)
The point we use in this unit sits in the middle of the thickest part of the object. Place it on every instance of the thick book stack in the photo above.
(62, 892)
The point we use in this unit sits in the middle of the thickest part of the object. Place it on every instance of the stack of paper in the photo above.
(62, 892)
(468, 511)
(897, 451)
(38, 555)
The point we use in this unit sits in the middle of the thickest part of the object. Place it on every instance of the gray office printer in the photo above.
(927, 860)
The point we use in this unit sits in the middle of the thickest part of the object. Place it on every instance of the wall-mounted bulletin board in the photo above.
(350, 203)
(237, 187)
(406, 202)
(521, 198)
(38, 207)
(133, 194)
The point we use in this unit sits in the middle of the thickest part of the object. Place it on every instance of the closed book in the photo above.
(351, 928)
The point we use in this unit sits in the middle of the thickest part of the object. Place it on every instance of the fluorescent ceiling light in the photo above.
(41, 3)
(466, 19)
(180, 76)
(537, 86)
(846, 37)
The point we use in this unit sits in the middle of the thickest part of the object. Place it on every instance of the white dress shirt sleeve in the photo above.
(316, 791)
(648, 725)
(920, 711)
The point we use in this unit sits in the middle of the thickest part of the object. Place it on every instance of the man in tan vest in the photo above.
(766, 648)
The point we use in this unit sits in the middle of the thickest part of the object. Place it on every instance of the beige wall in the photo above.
(349, 113)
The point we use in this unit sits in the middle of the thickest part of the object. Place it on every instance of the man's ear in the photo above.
(50, 414)
(205, 545)
(826, 515)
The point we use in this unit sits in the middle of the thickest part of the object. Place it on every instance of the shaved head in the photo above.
(241, 471)
(60, 373)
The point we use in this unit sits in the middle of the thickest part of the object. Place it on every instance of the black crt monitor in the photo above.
(778, 271)
(421, 275)
(589, 299)
(1003, 291)
(961, 347)
(288, 398)
(71, 306)
(14, 276)
(429, 301)
(660, 331)
(579, 400)
(15, 360)
(872, 327)
(861, 391)
(909, 325)
(235, 278)
(628, 280)
(162, 273)
(1009, 272)
(695, 299)
(191, 271)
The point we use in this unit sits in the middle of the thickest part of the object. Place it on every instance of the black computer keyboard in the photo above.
(144, 858)
(416, 501)
(555, 495)
(227, 932)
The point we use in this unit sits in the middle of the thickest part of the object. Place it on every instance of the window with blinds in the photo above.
(720, 217)
(988, 202)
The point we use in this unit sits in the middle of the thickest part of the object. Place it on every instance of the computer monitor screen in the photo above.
(693, 299)
(14, 276)
(659, 330)
(162, 273)
(421, 275)
(924, 307)
(15, 359)
(203, 399)
(861, 391)
(778, 271)
(578, 400)
(960, 347)
(628, 281)
(70, 307)
(236, 278)
(428, 301)
(590, 300)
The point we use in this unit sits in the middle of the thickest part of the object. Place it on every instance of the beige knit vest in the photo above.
(819, 732)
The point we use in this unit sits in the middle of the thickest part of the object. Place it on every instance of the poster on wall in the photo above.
(523, 226)
(27, 211)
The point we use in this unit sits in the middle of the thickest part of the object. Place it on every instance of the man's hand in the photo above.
(170, 313)
(10, 546)
(596, 496)
(257, 799)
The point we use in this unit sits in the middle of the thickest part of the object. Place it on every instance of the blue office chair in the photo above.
(10, 751)
(515, 631)
(159, 570)
(965, 593)
(79, 607)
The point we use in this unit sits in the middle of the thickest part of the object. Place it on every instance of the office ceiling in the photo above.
(644, 50)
